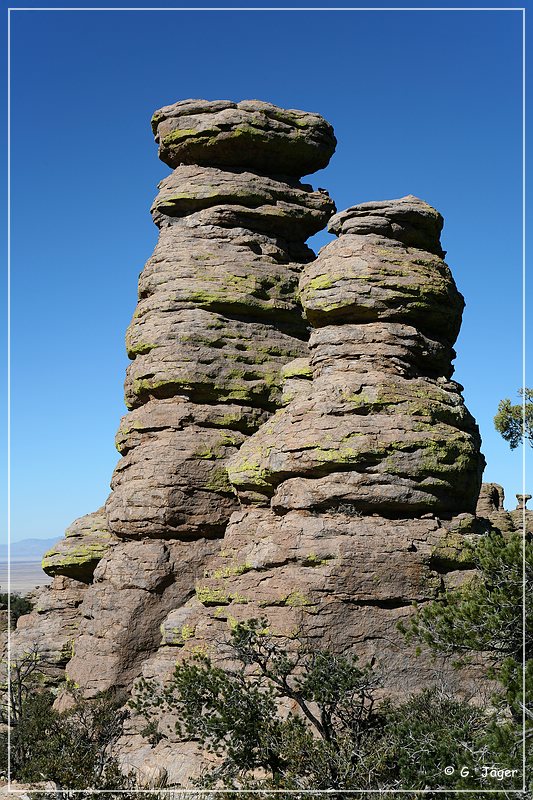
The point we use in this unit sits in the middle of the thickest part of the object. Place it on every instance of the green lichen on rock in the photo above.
(312, 560)
(178, 134)
(78, 560)
(298, 368)
(179, 636)
(297, 599)
(453, 551)
(77, 555)
(219, 481)
(232, 570)
(208, 596)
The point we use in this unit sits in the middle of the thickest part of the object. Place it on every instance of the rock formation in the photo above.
(357, 497)
(318, 468)
(218, 317)
(490, 507)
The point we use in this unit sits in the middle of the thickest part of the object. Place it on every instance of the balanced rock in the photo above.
(246, 134)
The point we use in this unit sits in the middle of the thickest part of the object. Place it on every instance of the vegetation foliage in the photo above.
(515, 421)
(280, 714)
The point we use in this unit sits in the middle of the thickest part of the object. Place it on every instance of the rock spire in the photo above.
(218, 316)
(357, 497)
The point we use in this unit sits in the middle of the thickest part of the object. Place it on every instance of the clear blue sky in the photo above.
(427, 103)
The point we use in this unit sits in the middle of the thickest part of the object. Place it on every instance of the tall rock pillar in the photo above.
(217, 318)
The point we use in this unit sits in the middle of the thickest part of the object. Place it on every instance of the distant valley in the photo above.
(27, 549)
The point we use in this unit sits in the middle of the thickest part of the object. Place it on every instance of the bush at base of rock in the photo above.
(284, 715)
(18, 606)
(72, 749)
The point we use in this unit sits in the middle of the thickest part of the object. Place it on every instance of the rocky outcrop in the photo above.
(357, 496)
(295, 447)
(218, 317)
(86, 541)
(51, 628)
(49, 631)
(490, 507)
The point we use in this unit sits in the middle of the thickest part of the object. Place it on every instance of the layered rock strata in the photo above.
(324, 482)
(357, 497)
(383, 426)
(217, 318)
(49, 631)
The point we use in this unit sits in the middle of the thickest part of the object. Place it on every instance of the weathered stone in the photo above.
(381, 404)
(85, 542)
(134, 588)
(51, 627)
(343, 581)
(522, 516)
(408, 220)
(285, 208)
(490, 506)
(207, 357)
(246, 134)
(364, 278)
(172, 479)
(217, 319)
(295, 376)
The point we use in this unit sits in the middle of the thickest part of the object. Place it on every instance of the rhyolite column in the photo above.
(218, 316)
(383, 426)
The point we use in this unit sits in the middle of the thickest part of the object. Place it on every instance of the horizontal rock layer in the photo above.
(251, 133)
(410, 221)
